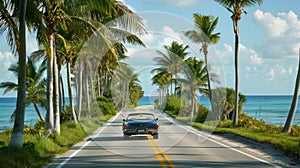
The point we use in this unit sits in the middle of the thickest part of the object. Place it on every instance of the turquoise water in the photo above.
(272, 109)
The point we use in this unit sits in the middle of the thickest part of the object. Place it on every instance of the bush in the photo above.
(106, 106)
(202, 113)
(176, 105)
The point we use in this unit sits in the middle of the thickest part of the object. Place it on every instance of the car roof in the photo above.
(136, 113)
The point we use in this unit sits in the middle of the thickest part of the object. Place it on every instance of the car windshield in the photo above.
(133, 117)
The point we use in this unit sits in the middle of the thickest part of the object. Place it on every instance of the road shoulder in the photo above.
(263, 150)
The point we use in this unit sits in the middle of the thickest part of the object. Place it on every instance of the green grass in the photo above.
(259, 131)
(38, 149)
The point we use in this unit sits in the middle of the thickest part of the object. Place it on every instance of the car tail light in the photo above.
(156, 126)
(125, 126)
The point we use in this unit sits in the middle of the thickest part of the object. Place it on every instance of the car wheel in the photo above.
(155, 136)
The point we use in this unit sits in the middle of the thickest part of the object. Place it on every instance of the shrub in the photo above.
(106, 106)
(176, 105)
(202, 113)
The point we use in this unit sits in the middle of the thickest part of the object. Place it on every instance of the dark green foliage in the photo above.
(65, 115)
(223, 102)
(136, 93)
(173, 104)
(106, 106)
(21, 157)
(202, 113)
(38, 149)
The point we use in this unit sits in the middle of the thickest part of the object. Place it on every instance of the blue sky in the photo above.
(269, 38)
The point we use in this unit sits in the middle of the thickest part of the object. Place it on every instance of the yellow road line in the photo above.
(158, 156)
(164, 154)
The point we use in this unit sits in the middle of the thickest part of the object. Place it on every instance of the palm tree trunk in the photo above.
(236, 100)
(98, 85)
(87, 93)
(79, 94)
(92, 88)
(17, 135)
(62, 93)
(38, 111)
(49, 121)
(56, 94)
(60, 96)
(289, 121)
(73, 114)
(205, 48)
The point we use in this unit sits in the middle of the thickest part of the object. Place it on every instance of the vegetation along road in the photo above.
(178, 145)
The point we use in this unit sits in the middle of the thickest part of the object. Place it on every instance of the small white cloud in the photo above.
(7, 59)
(274, 26)
(271, 74)
(180, 3)
(283, 34)
(168, 36)
(290, 70)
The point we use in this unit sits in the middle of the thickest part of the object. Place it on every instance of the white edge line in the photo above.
(226, 146)
(88, 142)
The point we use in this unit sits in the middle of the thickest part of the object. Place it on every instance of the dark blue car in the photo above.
(140, 123)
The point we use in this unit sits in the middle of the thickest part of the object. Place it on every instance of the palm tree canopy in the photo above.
(236, 6)
(205, 25)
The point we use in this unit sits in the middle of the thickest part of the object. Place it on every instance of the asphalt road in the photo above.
(178, 146)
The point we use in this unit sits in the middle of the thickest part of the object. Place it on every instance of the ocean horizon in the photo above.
(272, 109)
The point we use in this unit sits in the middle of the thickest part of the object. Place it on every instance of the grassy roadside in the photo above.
(259, 131)
(38, 148)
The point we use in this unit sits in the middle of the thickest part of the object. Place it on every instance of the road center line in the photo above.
(164, 154)
(158, 157)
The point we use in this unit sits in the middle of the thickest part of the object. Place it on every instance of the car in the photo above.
(140, 123)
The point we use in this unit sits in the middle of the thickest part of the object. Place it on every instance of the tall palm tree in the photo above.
(69, 49)
(162, 78)
(10, 13)
(35, 85)
(125, 76)
(196, 78)
(18, 129)
(172, 60)
(204, 34)
(289, 121)
(236, 8)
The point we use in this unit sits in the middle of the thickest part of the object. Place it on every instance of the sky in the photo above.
(269, 43)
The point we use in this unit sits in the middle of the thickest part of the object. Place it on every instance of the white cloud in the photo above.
(7, 59)
(283, 34)
(168, 36)
(273, 25)
(180, 3)
(272, 74)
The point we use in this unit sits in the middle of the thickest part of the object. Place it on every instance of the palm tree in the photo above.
(10, 12)
(196, 79)
(17, 40)
(205, 25)
(68, 50)
(289, 121)
(35, 85)
(125, 76)
(236, 8)
(162, 78)
(172, 61)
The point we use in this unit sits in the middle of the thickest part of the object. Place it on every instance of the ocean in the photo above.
(271, 109)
